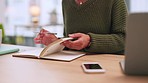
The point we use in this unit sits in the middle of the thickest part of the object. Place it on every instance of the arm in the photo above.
(113, 42)
(64, 33)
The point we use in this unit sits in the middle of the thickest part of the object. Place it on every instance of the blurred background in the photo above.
(20, 18)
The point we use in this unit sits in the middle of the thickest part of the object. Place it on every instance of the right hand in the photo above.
(44, 38)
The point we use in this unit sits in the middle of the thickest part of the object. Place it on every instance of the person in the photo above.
(97, 25)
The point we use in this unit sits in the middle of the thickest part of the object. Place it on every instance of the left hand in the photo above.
(81, 42)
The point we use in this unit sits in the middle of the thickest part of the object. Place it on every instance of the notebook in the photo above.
(53, 51)
(136, 51)
(6, 49)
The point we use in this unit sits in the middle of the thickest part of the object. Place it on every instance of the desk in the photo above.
(25, 70)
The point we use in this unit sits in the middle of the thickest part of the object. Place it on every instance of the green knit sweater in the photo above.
(103, 20)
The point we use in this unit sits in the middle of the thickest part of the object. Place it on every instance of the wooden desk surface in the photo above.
(25, 70)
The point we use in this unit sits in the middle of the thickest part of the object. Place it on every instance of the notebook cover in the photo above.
(7, 49)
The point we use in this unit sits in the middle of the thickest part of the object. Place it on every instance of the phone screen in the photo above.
(92, 66)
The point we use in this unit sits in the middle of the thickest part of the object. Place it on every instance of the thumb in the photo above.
(75, 35)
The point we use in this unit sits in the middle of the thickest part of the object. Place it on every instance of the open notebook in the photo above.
(6, 49)
(53, 51)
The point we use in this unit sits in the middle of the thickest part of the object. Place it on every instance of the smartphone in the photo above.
(92, 67)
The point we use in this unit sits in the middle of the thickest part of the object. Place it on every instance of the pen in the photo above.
(46, 32)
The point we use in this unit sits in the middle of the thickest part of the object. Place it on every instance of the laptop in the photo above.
(136, 49)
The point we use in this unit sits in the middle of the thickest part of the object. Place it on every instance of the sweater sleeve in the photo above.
(115, 40)
(64, 33)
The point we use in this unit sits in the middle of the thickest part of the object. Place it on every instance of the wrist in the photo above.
(89, 41)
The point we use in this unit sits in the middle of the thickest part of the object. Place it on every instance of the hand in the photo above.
(44, 37)
(81, 42)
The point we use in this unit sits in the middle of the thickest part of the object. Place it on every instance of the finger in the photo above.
(47, 40)
(46, 43)
(37, 41)
(43, 42)
(66, 43)
(43, 32)
(73, 45)
(75, 35)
